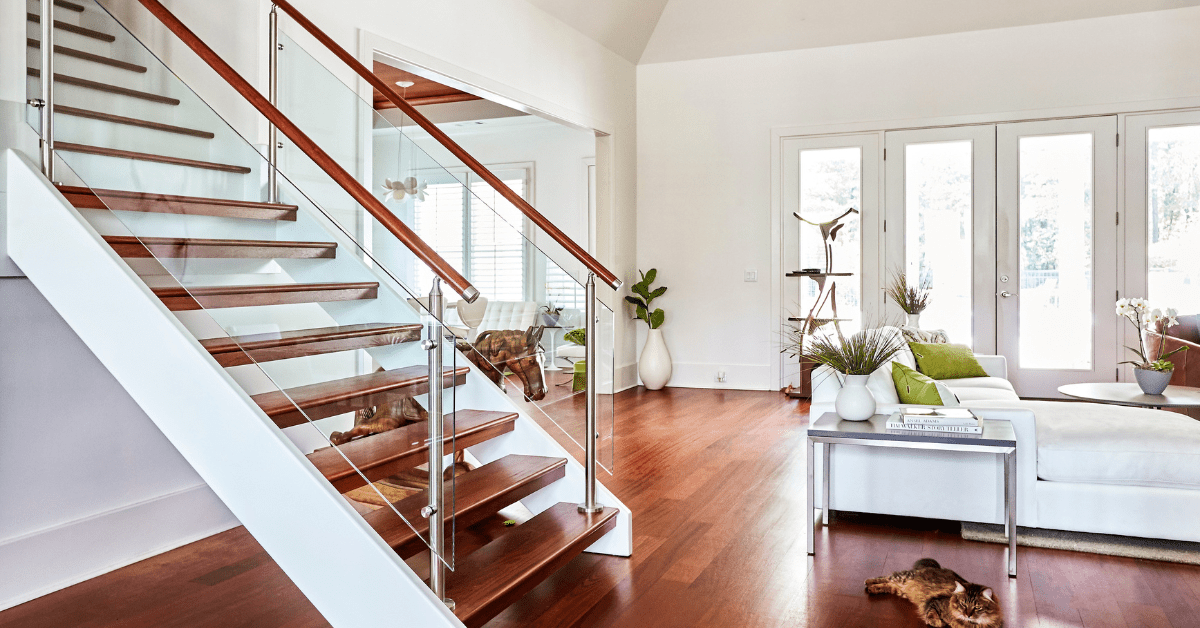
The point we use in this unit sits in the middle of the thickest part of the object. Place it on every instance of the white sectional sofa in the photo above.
(1080, 466)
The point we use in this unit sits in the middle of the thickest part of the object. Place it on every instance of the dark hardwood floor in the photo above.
(716, 481)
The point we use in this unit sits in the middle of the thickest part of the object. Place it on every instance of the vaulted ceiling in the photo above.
(655, 31)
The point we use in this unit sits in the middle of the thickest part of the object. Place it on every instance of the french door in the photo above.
(1056, 263)
(940, 226)
(1013, 227)
(1162, 212)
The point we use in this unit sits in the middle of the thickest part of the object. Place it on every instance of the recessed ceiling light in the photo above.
(405, 83)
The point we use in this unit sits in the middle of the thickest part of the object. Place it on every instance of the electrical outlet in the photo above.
(751, 274)
(720, 376)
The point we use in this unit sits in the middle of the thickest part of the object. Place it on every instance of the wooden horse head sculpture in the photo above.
(518, 351)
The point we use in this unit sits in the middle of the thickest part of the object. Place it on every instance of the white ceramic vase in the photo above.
(654, 367)
(1152, 382)
(914, 321)
(854, 402)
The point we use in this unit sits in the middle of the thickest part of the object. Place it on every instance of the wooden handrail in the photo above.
(423, 251)
(479, 169)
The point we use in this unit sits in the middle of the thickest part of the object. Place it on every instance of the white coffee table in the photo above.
(998, 437)
(1129, 394)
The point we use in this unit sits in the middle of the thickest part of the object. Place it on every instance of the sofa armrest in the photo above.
(994, 365)
(1024, 424)
(825, 385)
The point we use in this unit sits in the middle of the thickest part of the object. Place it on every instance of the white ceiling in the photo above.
(654, 31)
(623, 26)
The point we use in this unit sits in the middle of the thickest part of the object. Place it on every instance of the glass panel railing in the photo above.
(323, 337)
(477, 231)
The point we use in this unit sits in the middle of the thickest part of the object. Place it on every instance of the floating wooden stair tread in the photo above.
(128, 154)
(501, 572)
(86, 198)
(200, 248)
(477, 495)
(87, 56)
(105, 87)
(407, 447)
(71, 28)
(326, 399)
(109, 117)
(70, 6)
(178, 298)
(295, 344)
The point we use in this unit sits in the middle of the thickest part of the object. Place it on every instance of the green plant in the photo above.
(860, 354)
(1163, 366)
(576, 336)
(911, 299)
(645, 296)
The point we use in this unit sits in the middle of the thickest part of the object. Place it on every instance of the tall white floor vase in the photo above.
(854, 402)
(654, 367)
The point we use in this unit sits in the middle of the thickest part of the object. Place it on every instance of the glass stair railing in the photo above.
(315, 297)
(505, 255)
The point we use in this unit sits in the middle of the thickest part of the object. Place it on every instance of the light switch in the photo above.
(751, 274)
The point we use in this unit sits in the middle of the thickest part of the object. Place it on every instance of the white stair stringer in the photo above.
(349, 574)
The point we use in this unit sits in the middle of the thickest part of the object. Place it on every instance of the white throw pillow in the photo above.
(882, 387)
(947, 395)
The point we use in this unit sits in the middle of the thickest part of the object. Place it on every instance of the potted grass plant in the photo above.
(854, 358)
(1152, 372)
(912, 299)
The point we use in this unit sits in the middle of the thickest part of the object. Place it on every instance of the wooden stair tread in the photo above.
(391, 452)
(178, 298)
(128, 154)
(501, 572)
(146, 124)
(477, 494)
(105, 87)
(294, 344)
(87, 56)
(123, 200)
(131, 246)
(326, 399)
(70, 6)
(71, 28)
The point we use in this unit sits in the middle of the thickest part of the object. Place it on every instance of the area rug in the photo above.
(1111, 545)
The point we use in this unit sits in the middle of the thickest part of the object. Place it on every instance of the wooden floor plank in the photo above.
(705, 554)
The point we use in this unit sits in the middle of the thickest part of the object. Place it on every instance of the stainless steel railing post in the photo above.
(435, 511)
(273, 95)
(47, 96)
(591, 434)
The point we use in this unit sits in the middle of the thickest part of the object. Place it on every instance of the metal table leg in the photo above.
(826, 449)
(809, 525)
(1010, 509)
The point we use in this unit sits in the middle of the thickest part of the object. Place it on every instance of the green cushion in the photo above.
(946, 361)
(914, 388)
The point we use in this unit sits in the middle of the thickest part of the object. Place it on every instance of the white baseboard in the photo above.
(55, 558)
(737, 376)
(626, 377)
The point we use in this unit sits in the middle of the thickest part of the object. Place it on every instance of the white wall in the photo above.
(704, 160)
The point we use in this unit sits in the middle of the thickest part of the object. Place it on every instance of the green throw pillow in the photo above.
(946, 361)
(914, 388)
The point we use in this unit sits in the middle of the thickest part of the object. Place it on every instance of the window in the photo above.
(480, 233)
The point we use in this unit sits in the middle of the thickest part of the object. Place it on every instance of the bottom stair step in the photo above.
(477, 494)
(500, 573)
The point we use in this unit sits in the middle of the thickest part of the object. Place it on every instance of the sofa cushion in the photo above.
(969, 396)
(995, 383)
(1103, 444)
(946, 361)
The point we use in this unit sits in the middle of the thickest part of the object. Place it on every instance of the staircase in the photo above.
(251, 328)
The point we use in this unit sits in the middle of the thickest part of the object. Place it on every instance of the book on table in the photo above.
(924, 422)
(938, 416)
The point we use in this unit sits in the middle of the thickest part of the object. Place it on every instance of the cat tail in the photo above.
(926, 563)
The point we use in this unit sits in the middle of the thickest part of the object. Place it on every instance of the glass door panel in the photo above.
(1162, 213)
(830, 238)
(940, 228)
(1057, 257)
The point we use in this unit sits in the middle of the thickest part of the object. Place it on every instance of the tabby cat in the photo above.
(943, 598)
